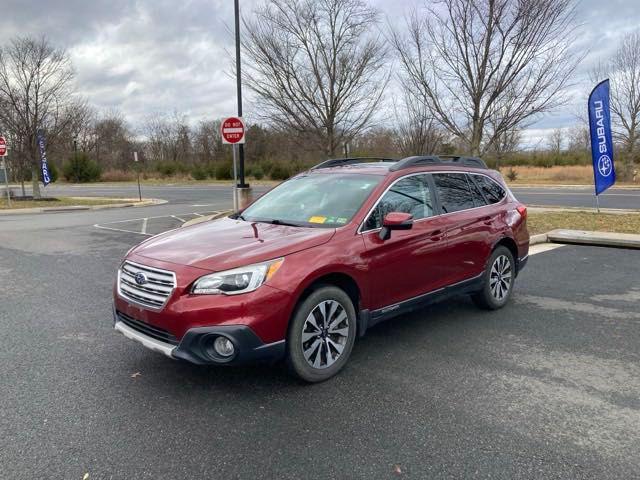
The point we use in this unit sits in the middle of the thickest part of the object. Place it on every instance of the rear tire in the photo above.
(321, 335)
(499, 277)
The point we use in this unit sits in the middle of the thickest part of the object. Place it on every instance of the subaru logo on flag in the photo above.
(140, 278)
(604, 170)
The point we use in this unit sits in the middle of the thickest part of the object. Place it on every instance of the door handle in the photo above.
(436, 235)
(487, 220)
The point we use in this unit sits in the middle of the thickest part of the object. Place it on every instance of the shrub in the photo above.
(257, 172)
(279, 172)
(512, 175)
(199, 172)
(114, 175)
(224, 171)
(80, 168)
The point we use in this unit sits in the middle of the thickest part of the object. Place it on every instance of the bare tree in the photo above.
(35, 92)
(416, 132)
(486, 67)
(316, 67)
(624, 72)
(555, 141)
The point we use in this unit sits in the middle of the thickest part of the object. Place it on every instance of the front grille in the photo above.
(149, 330)
(153, 292)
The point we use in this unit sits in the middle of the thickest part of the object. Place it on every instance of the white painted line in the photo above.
(144, 226)
(178, 218)
(121, 230)
(204, 205)
(544, 247)
(197, 215)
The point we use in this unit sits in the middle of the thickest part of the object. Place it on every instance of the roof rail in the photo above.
(339, 162)
(419, 161)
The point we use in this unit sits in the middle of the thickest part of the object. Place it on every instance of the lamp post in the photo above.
(243, 188)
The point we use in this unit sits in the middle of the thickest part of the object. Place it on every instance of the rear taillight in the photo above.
(522, 210)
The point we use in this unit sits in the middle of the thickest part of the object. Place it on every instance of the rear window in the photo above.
(490, 188)
(453, 192)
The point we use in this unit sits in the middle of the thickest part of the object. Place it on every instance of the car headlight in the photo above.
(239, 280)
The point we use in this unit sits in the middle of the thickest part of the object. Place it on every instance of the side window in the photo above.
(492, 191)
(453, 192)
(478, 198)
(408, 195)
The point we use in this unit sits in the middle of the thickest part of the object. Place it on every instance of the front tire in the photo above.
(321, 334)
(499, 277)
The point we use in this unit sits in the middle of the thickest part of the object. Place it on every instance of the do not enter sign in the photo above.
(3, 147)
(232, 130)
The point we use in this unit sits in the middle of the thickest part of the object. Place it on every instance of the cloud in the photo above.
(143, 57)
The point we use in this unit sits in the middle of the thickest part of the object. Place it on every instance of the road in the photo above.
(623, 198)
(548, 387)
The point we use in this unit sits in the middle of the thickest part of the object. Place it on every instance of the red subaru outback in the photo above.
(318, 260)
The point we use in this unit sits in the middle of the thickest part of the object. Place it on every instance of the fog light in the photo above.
(223, 347)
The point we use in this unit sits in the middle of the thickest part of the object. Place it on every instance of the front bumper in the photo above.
(196, 345)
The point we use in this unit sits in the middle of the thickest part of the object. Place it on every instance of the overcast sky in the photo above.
(154, 56)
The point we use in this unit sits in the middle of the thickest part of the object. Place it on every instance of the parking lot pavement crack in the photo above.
(555, 304)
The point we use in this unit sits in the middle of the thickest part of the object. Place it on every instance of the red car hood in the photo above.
(226, 243)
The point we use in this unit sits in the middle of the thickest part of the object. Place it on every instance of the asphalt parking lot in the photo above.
(548, 387)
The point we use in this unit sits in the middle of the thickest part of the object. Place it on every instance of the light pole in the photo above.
(243, 188)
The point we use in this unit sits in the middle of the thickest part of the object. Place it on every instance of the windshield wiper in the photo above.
(276, 221)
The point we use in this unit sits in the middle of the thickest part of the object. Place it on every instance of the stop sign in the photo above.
(3, 147)
(232, 130)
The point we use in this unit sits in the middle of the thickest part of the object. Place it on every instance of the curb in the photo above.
(74, 208)
(598, 239)
(198, 220)
(537, 239)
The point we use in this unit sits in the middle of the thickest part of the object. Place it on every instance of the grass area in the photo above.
(557, 175)
(542, 222)
(58, 202)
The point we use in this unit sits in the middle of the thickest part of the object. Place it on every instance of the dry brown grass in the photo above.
(569, 174)
(542, 222)
(58, 202)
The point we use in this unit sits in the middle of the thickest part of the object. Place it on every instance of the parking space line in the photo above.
(121, 230)
(144, 225)
(544, 247)
(178, 218)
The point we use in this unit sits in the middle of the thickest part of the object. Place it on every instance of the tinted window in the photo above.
(453, 191)
(408, 195)
(478, 198)
(492, 191)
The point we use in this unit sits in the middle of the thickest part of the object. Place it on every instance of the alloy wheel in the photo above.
(325, 334)
(500, 278)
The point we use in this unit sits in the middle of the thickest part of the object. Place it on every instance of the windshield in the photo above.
(314, 200)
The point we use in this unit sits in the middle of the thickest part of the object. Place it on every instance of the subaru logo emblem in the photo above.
(141, 278)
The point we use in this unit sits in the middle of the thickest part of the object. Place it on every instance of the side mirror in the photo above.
(395, 221)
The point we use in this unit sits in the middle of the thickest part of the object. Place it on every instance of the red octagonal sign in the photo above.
(3, 147)
(232, 130)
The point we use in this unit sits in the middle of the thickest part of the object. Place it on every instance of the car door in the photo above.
(408, 264)
(468, 225)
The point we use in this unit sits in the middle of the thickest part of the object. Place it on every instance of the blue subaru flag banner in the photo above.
(46, 178)
(604, 172)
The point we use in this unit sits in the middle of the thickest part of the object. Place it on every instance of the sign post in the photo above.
(3, 154)
(233, 132)
(604, 172)
(135, 159)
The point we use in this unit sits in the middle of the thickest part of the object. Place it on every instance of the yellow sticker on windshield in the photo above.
(317, 219)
